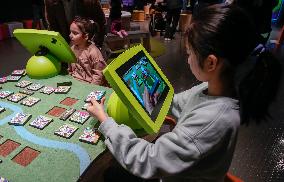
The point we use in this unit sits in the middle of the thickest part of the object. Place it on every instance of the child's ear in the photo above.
(211, 63)
(86, 36)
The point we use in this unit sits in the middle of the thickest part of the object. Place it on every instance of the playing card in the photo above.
(98, 95)
(80, 117)
(67, 114)
(23, 83)
(30, 101)
(20, 119)
(13, 78)
(27, 92)
(66, 131)
(16, 97)
(47, 90)
(62, 89)
(3, 80)
(5, 93)
(19, 72)
(90, 135)
(35, 86)
(40, 122)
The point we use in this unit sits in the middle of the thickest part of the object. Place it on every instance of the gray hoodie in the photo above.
(200, 147)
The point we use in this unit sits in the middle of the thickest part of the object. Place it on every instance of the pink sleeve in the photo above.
(97, 64)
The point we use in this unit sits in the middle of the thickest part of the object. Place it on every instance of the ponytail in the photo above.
(259, 87)
(87, 26)
(227, 32)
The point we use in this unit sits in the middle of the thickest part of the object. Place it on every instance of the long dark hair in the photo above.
(87, 26)
(228, 32)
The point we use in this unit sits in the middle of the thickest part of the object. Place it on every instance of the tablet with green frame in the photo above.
(33, 40)
(141, 86)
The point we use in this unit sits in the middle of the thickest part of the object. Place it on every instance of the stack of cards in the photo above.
(41, 122)
(13, 78)
(16, 97)
(98, 95)
(3, 80)
(89, 136)
(23, 83)
(47, 90)
(62, 89)
(30, 101)
(27, 92)
(2, 109)
(20, 119)
(19, 72)
(5, 93)
(35, 86)
(66, 131)
(64, 116)
(80, 117)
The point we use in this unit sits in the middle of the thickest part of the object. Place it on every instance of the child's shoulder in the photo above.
(94, 51)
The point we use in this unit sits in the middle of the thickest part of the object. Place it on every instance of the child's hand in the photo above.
(97, 109)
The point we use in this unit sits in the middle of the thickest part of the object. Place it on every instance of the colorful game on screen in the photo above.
(277, 10)
(144, 82)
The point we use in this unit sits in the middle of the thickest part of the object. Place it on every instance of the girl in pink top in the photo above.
(90, 62)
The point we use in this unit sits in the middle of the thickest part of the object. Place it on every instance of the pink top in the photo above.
(89, 65)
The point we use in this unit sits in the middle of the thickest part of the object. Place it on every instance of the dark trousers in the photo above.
(172, 18)
(38, 14)
(56, 18)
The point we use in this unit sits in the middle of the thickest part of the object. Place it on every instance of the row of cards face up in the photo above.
(76, 116)
(90, 135)
(27, 101)
(15, 76)
(45, 89)
(31, 87)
